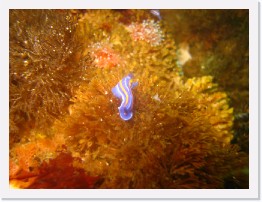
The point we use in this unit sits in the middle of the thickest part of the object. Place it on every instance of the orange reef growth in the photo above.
(104, 56)
(178, 137)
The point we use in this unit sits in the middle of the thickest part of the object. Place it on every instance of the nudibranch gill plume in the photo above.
(123, 91)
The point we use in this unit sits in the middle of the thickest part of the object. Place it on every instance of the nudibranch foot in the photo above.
(124, 114)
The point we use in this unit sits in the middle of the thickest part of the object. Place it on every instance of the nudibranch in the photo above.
(123, 91)
(156, 13)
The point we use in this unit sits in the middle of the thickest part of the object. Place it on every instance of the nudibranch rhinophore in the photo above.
(123, 91)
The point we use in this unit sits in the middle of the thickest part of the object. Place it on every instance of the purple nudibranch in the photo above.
(123, 91)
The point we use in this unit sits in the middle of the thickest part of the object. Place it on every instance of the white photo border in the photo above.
(254, 174)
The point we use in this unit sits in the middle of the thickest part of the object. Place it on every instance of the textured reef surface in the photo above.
(172, 124)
